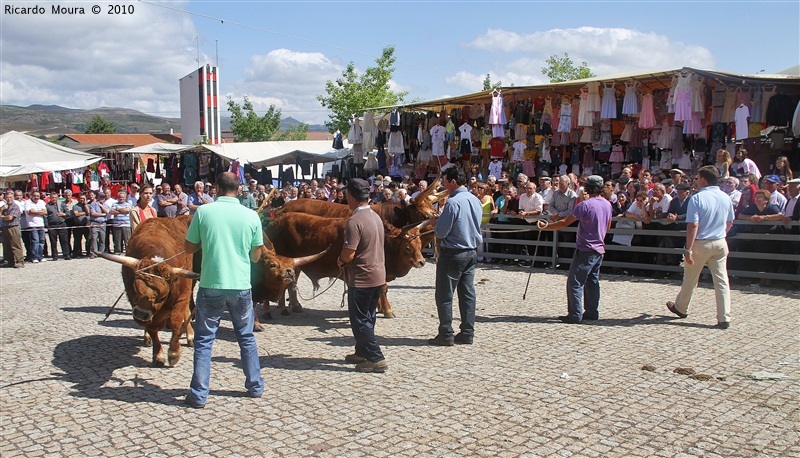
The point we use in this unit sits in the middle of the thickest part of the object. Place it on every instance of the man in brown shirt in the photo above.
(362, 255)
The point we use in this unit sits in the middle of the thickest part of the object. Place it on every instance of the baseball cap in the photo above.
(358, 187)
(668, 182)
(794, 181)
(623, 180)
(245, 189)
(595, 180)
(683, 186)
(773, 178)
(544, 178)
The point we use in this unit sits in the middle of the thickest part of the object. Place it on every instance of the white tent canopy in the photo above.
(161, 148)
(21, 154)
(264, 154)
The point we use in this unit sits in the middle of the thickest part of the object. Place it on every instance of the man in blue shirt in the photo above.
(709, 217)
(198, 198)
(458, 231)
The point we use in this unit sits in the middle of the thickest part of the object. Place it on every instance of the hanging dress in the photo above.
(630, 105)
(609, 109)
(647, 120)
(683, 98)
(626, 132)
(584, 114)
(729, 108)
(594, 96)
(368, 132)
(497, 115)
(565, 118)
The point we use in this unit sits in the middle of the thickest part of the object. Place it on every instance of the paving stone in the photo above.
(84, 387)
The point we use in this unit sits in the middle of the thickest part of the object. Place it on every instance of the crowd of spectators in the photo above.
(642, 200)
(96, 221)
(81, 225)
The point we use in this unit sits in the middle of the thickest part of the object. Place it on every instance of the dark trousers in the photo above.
(455, 271)
(362, 306)
(80, 241)
(26, 242)
(122, 234)
(61, 235)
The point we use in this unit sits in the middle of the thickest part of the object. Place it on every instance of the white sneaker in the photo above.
(35, 261)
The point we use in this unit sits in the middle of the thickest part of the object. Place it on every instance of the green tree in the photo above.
(352, 93)
(563, 69)
(247, 126)
(487, 83)
(99, 125)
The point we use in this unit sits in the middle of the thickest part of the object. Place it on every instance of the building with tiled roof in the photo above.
(105, 142)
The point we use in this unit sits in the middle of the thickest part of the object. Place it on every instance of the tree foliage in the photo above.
(563, 69)
(248, 126)
(487, 83)
(99, 125)
(352, 93)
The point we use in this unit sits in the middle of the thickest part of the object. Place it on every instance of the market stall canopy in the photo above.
(163, 148)
(22, 154)
(265, 154)
(650, 80)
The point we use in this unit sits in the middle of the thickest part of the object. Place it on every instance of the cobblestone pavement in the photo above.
(72, 385)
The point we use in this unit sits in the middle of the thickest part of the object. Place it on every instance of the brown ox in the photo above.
(160, 292)
(272, 274)
(398, 214)
(301, 233)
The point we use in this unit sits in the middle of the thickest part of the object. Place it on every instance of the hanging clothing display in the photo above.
(609, 108)
(647, 119)
(585, 116)
(630, 104)
(742, 118)
(497, 115)
(565, 117)
(368, 129)
(683, 98)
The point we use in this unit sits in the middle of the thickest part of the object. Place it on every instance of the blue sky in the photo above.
(283, 52)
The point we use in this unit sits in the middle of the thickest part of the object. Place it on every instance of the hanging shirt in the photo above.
(497, 147)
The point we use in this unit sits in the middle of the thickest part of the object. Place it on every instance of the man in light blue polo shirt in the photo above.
(709, 217)
(231, 237)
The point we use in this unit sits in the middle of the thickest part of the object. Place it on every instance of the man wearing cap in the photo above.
(709, 217)
(583, 280)
(458, 232)
(362, 257)
(545, 187)
(777, 199)
(729, 186)
(97, 217)
(247, 199)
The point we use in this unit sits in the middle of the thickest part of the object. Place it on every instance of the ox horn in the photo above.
(185, 273)
(301, 261)
(126, 261)
(419, 225)
(436, 197)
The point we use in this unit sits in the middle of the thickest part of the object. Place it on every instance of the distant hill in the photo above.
(48, 120)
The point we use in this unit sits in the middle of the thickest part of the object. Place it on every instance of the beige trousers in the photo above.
(714, 254)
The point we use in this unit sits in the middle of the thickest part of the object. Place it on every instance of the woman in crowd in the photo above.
(340, 197)
(723, 163)
(783, 169)
(143, 209)
(748, 198)
(762, 213)
(487, 208)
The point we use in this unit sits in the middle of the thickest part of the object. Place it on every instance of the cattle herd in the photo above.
(306, 236)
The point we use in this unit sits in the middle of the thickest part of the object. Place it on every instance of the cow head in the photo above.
(423, 205)
(404, 246)
(152, 283)
(279, 271)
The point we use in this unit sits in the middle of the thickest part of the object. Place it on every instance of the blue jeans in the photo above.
(211, 303)
(37, 243)
(362, 305)
(583, 281)
(455, 270)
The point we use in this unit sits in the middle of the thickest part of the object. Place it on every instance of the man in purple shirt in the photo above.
(583, 281)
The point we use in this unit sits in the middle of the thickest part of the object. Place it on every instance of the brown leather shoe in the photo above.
(369, 366)
(354, 359)
(671, 307)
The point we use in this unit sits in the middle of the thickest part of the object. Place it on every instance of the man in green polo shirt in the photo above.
(231, 237)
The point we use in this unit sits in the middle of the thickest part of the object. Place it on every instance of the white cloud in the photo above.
(290, 80)
(87, 61)
(606, 50)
